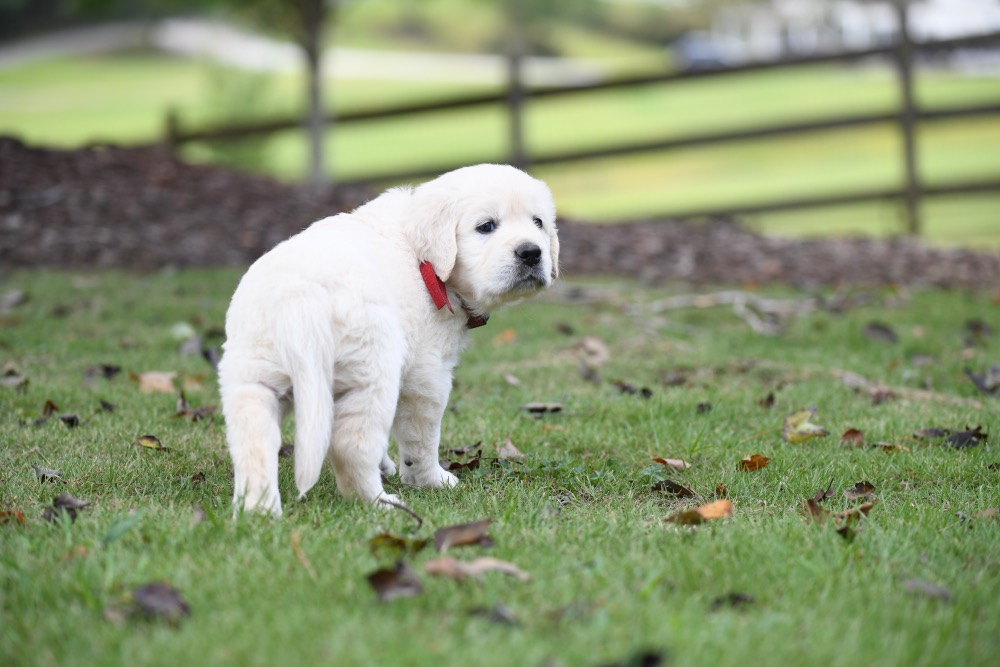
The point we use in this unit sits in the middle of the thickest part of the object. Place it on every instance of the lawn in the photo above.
(917, 582)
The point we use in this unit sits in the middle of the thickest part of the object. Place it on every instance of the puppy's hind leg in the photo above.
(253, 432)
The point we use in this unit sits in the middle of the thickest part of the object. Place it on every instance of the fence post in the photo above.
(515, 103)
(172, 129)
(907, 117)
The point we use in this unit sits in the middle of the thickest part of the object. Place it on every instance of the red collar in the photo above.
(439, 295)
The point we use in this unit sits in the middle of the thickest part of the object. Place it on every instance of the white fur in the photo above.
(337, 321)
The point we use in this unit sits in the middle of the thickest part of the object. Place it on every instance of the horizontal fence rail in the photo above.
(900, 53)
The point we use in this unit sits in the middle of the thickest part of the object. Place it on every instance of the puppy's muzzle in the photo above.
(529, 254)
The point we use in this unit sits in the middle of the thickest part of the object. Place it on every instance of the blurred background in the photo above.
(802, 117)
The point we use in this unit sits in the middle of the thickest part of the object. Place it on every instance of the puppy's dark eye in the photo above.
(486, 227)
(538, 222)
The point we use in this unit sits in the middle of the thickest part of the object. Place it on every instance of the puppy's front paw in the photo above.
(431, 478)
(387, 467)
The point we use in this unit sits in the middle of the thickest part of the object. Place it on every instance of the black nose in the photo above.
(529, 253)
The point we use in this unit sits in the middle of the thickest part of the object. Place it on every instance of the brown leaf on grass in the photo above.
(542, 408)
(767, 402)
(11, 517)
(732, 600)
(931, 433)
(463, 534)
(848, 521)
(508, 451)
(859, 490)
(511, 379)
(387, 545)
(155, 381)
(398, 581)
(64, 503)
(149, 442)
(160, 600)
(853, 436)
(106, 371)
(472, 451)
(721, 491)
(446, 566)
(677, 464)
(970, 437)
(814, 511)
(673, 488)
(49, 409)
(822, 495)
(505, 337)
(642, 658)
(47, 474)
(471, 464)
(71, 420)
(708, 512)
(593, 351)
(988, 381)
(797, 427)
(753, 462)
(194, 414)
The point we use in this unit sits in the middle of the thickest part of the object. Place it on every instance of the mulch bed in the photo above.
(142, 208)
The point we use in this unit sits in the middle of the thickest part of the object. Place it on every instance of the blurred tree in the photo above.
(305, 22)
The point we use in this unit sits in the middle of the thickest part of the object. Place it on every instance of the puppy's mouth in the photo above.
(528, 279)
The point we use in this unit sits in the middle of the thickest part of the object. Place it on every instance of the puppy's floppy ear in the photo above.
(554, 250)
(432, 227)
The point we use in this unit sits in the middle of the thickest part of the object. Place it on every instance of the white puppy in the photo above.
(359, 321)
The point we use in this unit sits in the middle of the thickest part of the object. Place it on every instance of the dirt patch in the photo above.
(141, 208)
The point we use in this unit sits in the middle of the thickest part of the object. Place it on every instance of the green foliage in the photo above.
(610, 577)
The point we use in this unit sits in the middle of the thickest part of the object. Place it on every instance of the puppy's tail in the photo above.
(309, 358)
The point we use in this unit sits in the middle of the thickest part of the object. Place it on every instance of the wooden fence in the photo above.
(902, 54)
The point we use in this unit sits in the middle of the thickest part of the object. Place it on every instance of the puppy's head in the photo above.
(489, 230)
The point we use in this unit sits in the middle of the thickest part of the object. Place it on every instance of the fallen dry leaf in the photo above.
(970, 437)
(387, 545)
(708, 512)
(505, 337)
(149, 442)
(446, 566)
(160, 600)
(848, 521)
(859, 490)
(721, 491)
(767, 402)
(47, 474)
(396, 582)
(155, 381)
(509, 451)
(881, 332)
(753, 462)
(822, 495)
(542, 408)
(673, 488)
(593, 351)
(733, 600)
(931, 433)
(511, 379)
(194, 414)
(677, 464)
(64, 503)
(814, 511)
(853, 436)
(11, 516)
(797, 427)
(463, 534)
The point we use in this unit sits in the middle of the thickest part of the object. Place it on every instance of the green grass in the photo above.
(609, 576)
